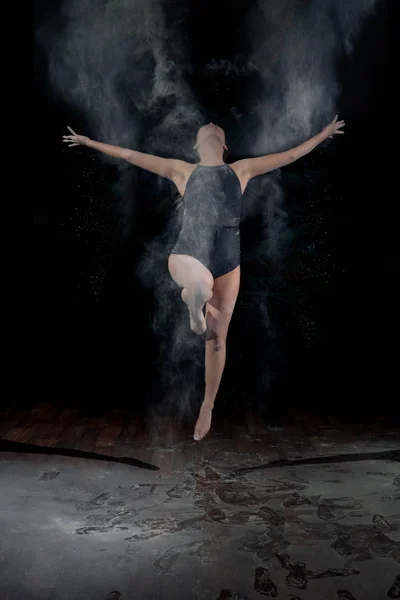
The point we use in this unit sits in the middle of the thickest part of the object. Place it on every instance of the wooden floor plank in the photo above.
(13, 420)
(87, 441)
(297, 443)
(18, 434)
(161, 439)
(72, 434)
(47, 412)
(52, 437)
(37, 432)
(132, 427)
(108, 436)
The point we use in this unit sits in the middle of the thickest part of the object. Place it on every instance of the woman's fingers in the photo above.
(70, 138)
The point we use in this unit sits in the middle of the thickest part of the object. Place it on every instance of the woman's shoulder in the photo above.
(182, 171)
(184, 168)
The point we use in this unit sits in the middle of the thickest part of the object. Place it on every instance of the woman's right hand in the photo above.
(334, 127)
(75, 139)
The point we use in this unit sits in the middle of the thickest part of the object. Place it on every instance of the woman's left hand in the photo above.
(334, 127)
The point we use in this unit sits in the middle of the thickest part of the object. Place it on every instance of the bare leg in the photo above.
(219, 313)
(197, 283)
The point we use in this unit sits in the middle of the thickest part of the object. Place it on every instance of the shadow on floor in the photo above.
(9, 446)
(393, 455)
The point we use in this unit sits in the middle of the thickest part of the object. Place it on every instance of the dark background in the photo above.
(93, 343)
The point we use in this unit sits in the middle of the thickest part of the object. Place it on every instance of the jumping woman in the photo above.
(205, 261)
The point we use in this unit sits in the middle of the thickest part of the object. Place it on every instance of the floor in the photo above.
(126, 507)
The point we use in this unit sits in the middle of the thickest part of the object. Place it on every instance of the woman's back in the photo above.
(212, 197)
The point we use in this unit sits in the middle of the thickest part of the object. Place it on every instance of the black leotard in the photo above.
(211, 219)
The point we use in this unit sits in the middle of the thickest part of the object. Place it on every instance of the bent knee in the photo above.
(216, 334)
(204, 286)
(201, 289)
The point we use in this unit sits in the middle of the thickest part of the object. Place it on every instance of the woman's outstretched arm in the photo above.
(165, 167)
(263, 164)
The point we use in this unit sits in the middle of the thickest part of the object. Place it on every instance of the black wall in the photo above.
(93, 344)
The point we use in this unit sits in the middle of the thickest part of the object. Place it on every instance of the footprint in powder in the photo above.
(263, 583)
(297, 576)
(225, 594)
(394, 591)
(345, 595)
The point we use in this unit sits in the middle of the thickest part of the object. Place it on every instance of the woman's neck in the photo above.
(211, 160)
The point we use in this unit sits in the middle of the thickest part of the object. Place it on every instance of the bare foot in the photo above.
(212, 324)
(195, 303)
(197, 322)
(203, 423)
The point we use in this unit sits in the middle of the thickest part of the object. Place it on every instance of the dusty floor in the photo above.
(214, 521)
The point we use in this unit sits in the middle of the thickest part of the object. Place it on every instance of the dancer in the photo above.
(205, 261)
